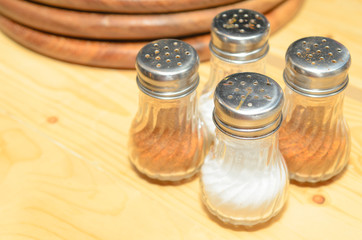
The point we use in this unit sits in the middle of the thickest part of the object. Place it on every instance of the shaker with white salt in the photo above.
(244, 179)
(239, 43)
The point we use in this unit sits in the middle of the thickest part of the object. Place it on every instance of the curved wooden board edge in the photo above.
(116, 54)
(135, 6)
(87, 52)
(120, 26)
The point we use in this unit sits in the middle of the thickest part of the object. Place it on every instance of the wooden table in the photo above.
(64, 172)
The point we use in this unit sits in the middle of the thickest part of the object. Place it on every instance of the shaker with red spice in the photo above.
(166, 139)
(314, 137)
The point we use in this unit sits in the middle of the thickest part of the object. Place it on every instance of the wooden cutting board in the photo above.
(113, 54)
(136, 6)
(120, 26)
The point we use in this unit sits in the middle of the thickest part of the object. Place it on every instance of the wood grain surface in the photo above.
(117, 54)
(120, 26)
(135, 6)
(64, 171)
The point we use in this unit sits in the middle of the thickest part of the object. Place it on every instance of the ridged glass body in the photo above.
(314, 137)
(166, 139)
(244, 181)
(219, 69)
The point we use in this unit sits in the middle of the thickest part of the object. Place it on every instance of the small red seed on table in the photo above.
(52, 119)
(319, 199)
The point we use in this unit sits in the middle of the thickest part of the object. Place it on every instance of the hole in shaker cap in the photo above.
(147, 56)
(179, 63)
(242, 82)
(177, 56)
(318, 51)
(324, 40)
(168, 60)
(256, 97)
(228, 83)
(166, 47)
(158, 65)
(158, 58)
(250, 104)
(267, 97)
(157, 51)
(155, 45)
(230, 96)
(334, 61)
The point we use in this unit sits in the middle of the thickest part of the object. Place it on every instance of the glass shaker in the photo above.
(239, 43)
(314, 138)
(244, 179)
(166, 139)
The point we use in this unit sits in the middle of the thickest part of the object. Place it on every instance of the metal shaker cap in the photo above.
(240, 35)
(167, 68)
(248, 105)
(317, 66)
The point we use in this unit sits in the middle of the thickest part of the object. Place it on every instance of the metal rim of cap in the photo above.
(256, 133)
(167, 69)
(317, 66)
(240, 58)
(248, 105)
(240, 35)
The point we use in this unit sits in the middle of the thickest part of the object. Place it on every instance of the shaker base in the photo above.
(242, 221)
(309, 179)
(174, 177)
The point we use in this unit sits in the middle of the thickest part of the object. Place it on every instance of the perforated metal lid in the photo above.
(240, 35)
(248, 105)
(317, 66)
(167, 68)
